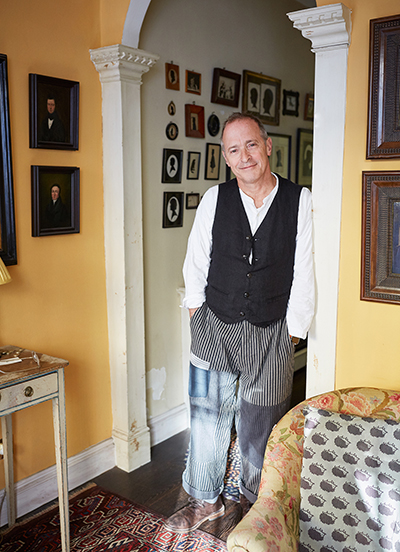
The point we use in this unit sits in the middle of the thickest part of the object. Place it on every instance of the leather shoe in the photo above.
(245, 504)
(194, 514)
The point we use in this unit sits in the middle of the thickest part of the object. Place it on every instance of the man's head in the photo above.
(237, 116)
(55, 192)
(51, 105)
(246, 148)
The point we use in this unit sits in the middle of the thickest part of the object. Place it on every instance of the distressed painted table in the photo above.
(34, 379)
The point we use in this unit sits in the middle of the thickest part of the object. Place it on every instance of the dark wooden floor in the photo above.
(157, 485)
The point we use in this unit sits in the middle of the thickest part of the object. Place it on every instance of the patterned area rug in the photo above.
(102, 521)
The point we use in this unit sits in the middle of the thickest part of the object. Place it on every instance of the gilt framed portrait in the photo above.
(172, 209)
(55, 200)
(281, 154)
(380, 254)
(261, 96)
(172, 166)
(53, 113)
(383, 136)
(225, 87)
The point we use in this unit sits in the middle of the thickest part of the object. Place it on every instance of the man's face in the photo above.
(246, 152)
(51, 105)
(55, 192)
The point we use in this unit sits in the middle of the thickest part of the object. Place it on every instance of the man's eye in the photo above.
(233, 151)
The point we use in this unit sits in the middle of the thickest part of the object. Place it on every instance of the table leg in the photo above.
(6, 428)
(60, 437)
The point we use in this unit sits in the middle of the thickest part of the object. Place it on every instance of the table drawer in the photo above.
(29, 391)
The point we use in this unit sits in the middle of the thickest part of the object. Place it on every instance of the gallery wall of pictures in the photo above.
(256, 93)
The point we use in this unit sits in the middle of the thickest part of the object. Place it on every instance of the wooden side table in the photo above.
(37, 378)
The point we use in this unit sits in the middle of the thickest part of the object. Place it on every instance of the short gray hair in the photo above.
(237, 116)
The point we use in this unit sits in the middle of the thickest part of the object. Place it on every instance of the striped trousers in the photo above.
(237, 372)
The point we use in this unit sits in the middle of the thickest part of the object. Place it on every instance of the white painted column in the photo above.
(328, 28)
(121, 69)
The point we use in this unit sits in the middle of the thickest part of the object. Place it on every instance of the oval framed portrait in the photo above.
(213, 125)
(172, 131)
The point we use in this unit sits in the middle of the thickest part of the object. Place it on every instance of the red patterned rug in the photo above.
(101, 521)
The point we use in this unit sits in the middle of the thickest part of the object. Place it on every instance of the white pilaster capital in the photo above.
(119, 62)
(328, 27)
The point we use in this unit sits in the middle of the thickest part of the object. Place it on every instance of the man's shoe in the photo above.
(194, 514)
(245, 504)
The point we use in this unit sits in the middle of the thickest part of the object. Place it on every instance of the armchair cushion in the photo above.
(350, 483)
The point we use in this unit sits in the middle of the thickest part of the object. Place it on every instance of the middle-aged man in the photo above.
(250, 293)
(51, 129)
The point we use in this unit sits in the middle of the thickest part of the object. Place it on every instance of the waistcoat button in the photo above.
(246, 295)
(241, 313)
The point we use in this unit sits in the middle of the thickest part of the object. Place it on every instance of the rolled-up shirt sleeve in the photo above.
(301, 305)
(197, 260)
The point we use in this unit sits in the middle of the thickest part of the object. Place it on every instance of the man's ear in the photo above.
(269, 146)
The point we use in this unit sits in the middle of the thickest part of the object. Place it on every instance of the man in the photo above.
(52, 129)
(56, 213)
(249, 288)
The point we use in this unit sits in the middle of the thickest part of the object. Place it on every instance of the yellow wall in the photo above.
(368, 333)
(56, 302)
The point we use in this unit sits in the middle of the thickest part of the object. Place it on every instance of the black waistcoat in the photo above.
(257, 292)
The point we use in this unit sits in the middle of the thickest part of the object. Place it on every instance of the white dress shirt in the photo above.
(300, 310)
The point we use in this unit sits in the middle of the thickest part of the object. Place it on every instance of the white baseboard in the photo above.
(167, 425)
(40, 488)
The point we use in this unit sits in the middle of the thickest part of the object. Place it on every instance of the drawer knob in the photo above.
(28, 392)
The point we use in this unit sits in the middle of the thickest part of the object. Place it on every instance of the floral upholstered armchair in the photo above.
(272, 524)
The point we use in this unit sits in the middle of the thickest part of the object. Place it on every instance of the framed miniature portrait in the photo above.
(192, 201)
(55, 200)
(172, 131)
(225, 87)
(213, 125)
(290, 103)
(304, 157)
(213, 160)
(194, 121)
(171, 76)
(193, 82)
(172, 166)
(261, 96)
(193, 166)
(53, 113)
(281, 154)
(173, 209)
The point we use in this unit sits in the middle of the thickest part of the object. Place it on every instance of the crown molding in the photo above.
(119, 62)
(328, 27)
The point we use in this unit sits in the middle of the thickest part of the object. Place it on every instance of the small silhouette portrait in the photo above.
(173, 209)
(268, 100)
(171, 76)
(172, 165)
(253, 97)
(193, 82)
